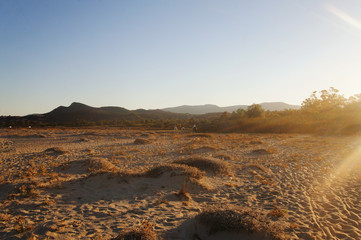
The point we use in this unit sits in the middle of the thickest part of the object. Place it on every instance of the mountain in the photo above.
(197, 109)
(78, 111)
(209, 108)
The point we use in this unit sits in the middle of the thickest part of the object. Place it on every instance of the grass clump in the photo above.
(101, 165)
(176, 169)
(245, 221)
(143, 232)
(207, 164)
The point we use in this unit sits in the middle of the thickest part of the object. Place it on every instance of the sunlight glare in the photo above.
(344, 16)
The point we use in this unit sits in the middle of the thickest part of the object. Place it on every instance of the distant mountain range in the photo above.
(209, 108)
(78, 112)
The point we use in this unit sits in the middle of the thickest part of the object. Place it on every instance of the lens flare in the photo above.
(344, 16)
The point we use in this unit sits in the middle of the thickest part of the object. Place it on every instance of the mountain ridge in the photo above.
(211, 108)
(79, 113)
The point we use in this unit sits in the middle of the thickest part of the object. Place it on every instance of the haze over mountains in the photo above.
(210, 108)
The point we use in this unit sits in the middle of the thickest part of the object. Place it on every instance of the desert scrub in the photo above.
(143, 232)
(175, 169)
(242, 220)
(101, 165)
(207, 164)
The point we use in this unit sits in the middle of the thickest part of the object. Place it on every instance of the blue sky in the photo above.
(156, 54)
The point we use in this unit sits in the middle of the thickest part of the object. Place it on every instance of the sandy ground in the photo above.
(98, 183)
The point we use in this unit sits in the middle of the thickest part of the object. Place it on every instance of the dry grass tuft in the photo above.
(4, 217)
(176, 169)
(235, 219)
(22, 225)
(277, 212)
(101, 165)
(183, 194)
(207, 164)
(142, 141)
(6, 146)
(28, 190)
(143, 232)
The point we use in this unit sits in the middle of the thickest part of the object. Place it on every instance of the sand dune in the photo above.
(103, 184)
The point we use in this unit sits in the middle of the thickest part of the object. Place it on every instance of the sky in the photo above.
(163, 53)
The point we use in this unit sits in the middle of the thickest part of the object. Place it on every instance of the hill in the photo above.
(79, 114)
(209, 108)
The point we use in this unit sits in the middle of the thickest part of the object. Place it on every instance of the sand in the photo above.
(103, 184)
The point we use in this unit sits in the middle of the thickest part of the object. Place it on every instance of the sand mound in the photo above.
(204, 149)
(27, 136)
(175, 170)
(55, 151)
(257, 167)
(232, 222)
(207, 164)
(199, 135)
(224, 156)
(119, 185)
(142, 141)
(260, 152)
(85, 166)
(144, 135)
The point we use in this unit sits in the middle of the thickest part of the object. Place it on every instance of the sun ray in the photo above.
(344, 16)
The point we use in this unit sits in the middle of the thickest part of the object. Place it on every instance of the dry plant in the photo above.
(143, 232)
(277, 212)
(236, 219)
(207, 164)
(175, 169)
(183, 194)
(4, 217)
(22, 225)
(101, 165)
(28, 190)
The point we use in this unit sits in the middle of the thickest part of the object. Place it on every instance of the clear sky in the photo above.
(156, 54)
